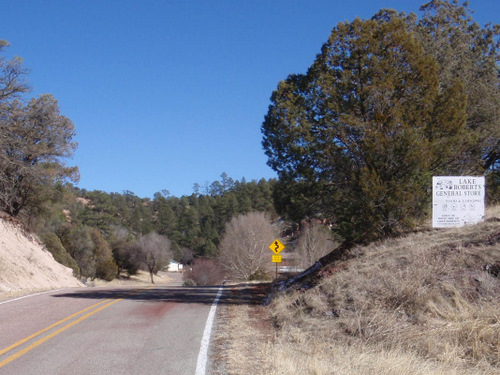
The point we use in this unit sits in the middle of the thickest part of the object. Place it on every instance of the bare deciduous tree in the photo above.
(12, 77)
(314, 242)
(244, 248)
(155, 253)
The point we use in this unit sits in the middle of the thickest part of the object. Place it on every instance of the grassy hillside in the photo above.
(427, 303)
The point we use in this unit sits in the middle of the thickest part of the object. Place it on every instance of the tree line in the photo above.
(106, 233)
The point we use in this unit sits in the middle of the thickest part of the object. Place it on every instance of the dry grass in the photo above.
(243, 352)
(422, 304)
(243, 326)
(321, 358)
(493, 212)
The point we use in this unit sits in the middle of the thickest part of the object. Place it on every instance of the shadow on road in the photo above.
(241, 294)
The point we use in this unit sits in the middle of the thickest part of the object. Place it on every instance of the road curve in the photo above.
(146, 330)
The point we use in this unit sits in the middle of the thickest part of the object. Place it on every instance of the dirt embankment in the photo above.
(26, 266)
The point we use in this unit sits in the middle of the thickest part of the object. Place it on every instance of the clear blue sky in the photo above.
(165, 94)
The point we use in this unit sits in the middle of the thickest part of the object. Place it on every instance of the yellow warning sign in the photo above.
(276, 258)
(276, 247)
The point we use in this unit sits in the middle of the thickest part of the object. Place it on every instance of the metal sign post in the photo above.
(276, 247)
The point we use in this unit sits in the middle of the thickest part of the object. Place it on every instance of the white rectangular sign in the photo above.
(457, 200)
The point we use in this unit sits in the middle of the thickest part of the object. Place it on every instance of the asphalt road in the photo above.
(147, 330)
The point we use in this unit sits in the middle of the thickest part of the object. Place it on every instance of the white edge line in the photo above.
(205, 341)
(30, 295)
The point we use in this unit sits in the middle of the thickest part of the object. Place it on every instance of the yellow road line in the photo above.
(20, 342)
(55, 333)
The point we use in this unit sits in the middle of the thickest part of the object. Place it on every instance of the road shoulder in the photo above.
(243, 325)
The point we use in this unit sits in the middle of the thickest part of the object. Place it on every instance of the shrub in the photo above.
(189, 282)
(204, 272)
(126, 257)
(56, 248)
(106, 268)
(79, 244)
(260, 275)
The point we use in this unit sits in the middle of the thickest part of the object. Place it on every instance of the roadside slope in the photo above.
(25, 265)
(422, 304)
(426, 303)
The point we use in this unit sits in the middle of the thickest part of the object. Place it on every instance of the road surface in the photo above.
(144, 330)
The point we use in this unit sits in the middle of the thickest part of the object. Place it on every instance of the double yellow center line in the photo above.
(97, 307)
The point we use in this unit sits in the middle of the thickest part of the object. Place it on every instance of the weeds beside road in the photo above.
(242, 329)
(423, 304)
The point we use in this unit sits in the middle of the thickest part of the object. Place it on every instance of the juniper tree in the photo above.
(365, 128)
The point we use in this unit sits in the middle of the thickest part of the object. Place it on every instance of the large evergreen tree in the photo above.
(361, 133)
(34, 140)
(466, 51)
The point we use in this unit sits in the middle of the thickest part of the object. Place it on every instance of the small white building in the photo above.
(174, 266)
